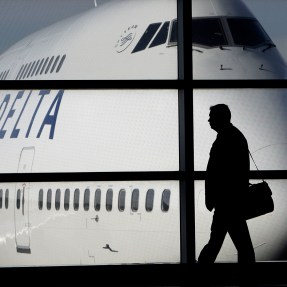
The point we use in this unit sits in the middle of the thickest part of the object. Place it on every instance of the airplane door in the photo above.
(22, 224)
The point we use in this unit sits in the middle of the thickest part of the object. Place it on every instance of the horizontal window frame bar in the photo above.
(253, 174)
(93, 176)
(93, 84)
(239, 84)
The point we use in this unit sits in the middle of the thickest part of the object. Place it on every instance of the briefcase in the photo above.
(259, 200)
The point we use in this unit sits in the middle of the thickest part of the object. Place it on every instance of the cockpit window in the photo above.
(161, 37)
(247, 32)
(208, 32)
(146, 37)
(173, 34)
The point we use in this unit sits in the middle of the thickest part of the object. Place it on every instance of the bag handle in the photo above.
(255, 163)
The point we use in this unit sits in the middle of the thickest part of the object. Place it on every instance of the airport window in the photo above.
(109, 199)
(67, 199)
(149, 200)
(247, 32)
(1, 198)
(146, 37)
(49, 199)
(135, 200)
(58, 199)
(161, 37)
(165, 200)
(18, 201)
(122, 199)
(61, 63)
(208, 32)
(7, 198)
(87, 199)
(41, 197)
(76, 199)
(97, 203)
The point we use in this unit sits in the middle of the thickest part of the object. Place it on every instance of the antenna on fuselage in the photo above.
(95, 1)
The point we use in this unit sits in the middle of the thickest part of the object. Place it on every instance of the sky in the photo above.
(19, 18)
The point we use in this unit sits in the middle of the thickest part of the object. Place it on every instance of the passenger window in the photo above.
(7, 198)
(19, 73)
(40, 201)
(135, 200)
(109, 199)
(146, 37)
(40, 66)
(61, 63)
(161, 37)
(149, 200)
(87, 199)
(122, 199)
(1, 198)
(208, 32)
(23, 72)
(29, 73)
(27, 70)
(67, 199)
(76, 199)
(18, 201)
(49, 199)
(44, 66)
(165, 200)
(35, 68)
(49, 65)
(97, 202)
(58, 199)
(55, 64)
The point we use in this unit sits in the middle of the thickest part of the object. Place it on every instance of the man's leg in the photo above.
(217, 235)
(239, 233)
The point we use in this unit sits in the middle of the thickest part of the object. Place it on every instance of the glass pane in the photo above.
(146, 237)
(114, 123)
(165, 200)
(260, 114)
(268, 232)
(67, 199)
(49, 199)
(122, 199)
(116, 40)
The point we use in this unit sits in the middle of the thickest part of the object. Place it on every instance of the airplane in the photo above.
(101, 43)
(228, 42)
(89, 222)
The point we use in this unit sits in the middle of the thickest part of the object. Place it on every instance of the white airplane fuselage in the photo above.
(229, 43)
(82, 223)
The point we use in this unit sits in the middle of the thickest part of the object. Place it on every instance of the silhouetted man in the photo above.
(226, 185)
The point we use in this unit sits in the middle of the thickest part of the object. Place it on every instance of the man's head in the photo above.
(219, 116)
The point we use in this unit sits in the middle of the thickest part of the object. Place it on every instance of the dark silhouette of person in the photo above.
(226, 185)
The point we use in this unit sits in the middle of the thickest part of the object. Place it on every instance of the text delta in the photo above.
(12, 111)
